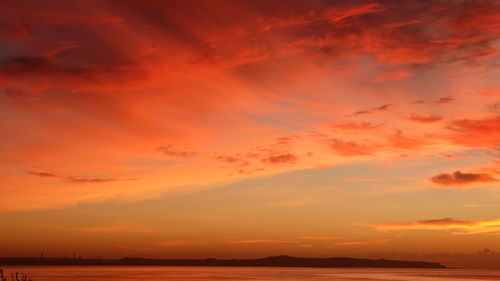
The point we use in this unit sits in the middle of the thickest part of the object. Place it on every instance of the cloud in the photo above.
(459, 178)
(113, 228)
(362, 180)
(480, 205)
(450, 224)
(89, 180)
(356, 126)
(444, 100)
(77, 179)
(399, 140)
(43, 174)
(295, 203)
(494, 107)
(71, 89)
(351, 148)
(177, 243)
(384, 107)
(286, 158)
(493, 92)
(365, 242)
(315, 237)
(425, 119)
(477, 133)
(237, 160)
(392, 75)
(171, 151)
(258, 241)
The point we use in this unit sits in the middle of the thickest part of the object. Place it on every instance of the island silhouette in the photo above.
(272, 261)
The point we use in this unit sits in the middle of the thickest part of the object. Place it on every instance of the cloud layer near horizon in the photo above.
(456, 226)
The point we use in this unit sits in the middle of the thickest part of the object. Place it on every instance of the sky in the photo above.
(249, 128)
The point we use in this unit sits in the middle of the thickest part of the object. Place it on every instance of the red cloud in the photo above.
(76, 179)
(459, 178)
(351, 148)
(425, 119)
(384, 107)
(171, 151)
(356, 126)
(445, 100)
(281, 159)
(399, 140)
(479, 133)
(493, 92)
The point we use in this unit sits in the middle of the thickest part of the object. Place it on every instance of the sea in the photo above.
(157, 273)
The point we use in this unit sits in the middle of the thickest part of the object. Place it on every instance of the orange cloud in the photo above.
(356, 126)
(392, 75)
(76, 179)
(459, 178)
(494, 92)
(443, 100)
(177, 243)
(351, 148)
(281, 159)
(482, 132)
(362, 180)
(243, 90)
(456, 226)
(384, 107)
(257, 241)
(365, 242)
(171, 151)
(314, 237)
(425, 119)
(114, 228)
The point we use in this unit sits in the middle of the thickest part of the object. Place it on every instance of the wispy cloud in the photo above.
(178, 243)
(317, 237)
(258, 241)
(352, 148)
(450, 224)
(363, 242)
(113, 228)
(362, 180)
(291, 203)
(77, 179)
(425, 119)
(286, 158)
(384, 107)
(170, 150)
(443, 100)
(363, 126)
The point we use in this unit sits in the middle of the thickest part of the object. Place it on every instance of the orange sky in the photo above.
(249, 128)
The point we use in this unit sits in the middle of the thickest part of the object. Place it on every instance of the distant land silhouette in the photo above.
(274, 261)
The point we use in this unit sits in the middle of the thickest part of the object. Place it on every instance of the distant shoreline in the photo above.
(274, 261)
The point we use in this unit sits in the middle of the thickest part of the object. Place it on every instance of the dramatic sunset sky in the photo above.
(249, 128)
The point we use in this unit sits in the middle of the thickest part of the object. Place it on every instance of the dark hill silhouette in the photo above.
(274, 261)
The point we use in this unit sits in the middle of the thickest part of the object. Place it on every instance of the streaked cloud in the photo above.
(449, 224)
(75, 179)
(317, 237)
(443, 100)
(178, 243)
(258, 241)
(362, 180)
(425, 119)
(114, 229)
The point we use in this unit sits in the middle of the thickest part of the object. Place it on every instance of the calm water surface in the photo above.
(154, 273)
